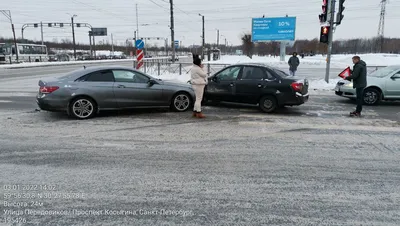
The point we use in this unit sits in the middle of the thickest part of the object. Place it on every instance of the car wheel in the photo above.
(371, 96)
(268, 104)
(181, 102)
(82, 108)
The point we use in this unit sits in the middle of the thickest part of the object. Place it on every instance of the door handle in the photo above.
(231, 84)
(259, 85)
(121, 86)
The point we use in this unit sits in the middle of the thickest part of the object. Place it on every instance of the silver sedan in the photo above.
(85, 92)
(383, 84)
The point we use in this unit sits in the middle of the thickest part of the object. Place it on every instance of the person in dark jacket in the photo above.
(359, 78)
(293, 64)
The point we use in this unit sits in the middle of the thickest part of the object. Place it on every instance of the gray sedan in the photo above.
(383, 84)
(83, 93)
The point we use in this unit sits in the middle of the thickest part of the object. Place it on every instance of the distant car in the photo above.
(382, 84)
(85, 92)
(176, 58)
(268, 87)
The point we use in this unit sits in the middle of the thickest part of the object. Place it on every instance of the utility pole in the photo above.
(171, 2)
(217, 39)
(381, 28)
(90, 42)
(41, 31)
(7, 13)
(73, 34)
(330, 39)
(204, 40)
(112, 45)
(137, 22)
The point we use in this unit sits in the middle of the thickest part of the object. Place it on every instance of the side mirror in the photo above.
(215, 79)
(151, 82)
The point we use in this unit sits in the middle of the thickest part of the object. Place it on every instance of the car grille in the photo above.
(2, 59)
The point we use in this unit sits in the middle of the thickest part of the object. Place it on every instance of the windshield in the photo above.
(383, 72)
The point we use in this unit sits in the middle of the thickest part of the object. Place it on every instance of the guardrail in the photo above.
(160, 68)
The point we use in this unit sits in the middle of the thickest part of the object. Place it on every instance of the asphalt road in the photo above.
(306, 165)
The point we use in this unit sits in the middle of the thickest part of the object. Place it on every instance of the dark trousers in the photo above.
(360, 101)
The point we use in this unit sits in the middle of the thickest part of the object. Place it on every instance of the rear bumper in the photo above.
(46, 103)
(298, 99)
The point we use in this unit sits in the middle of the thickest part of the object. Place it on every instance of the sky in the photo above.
(231, 17)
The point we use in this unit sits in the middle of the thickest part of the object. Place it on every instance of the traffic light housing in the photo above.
(324, 36)
(324, 15)
(339, 16)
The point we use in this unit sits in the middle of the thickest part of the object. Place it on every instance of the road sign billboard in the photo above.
(176, 43)
(273, 29)
(99, 31)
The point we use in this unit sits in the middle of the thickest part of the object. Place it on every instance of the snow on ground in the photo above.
(317, 61)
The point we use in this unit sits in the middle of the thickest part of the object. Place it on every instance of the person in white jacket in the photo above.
(199, 81)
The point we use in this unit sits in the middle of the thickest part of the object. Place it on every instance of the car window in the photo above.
(397, 75)
(270, 76)
(253, 73)
(281, 73)
(100, 76)
(229, 74)
(129, 76)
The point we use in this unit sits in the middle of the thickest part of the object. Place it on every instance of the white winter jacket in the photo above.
(198, 76)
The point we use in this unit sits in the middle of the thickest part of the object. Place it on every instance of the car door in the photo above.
(133, 89)
(100, 86)
(393, 86)
(252, 83)
(222, 85)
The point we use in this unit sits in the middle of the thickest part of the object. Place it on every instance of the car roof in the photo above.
(72, 75)
(257, 64)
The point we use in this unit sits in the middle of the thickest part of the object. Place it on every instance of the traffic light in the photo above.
(339, 16)
(324, 36)
(323, 16)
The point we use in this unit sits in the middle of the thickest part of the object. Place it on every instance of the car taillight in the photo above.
(48, 89)
(297, 86)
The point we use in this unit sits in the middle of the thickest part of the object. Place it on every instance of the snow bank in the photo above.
(322, 84)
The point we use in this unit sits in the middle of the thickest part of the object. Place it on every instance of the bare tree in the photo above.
(247, 45)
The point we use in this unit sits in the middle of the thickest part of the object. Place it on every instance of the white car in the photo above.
(382, 84)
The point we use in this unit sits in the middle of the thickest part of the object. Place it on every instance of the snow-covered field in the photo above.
(317, 61)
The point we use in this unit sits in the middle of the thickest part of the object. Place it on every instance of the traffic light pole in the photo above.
(330, 40)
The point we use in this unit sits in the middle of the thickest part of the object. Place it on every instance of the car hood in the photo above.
(174, 82)
(371, 81)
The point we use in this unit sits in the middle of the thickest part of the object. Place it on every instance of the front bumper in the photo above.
(345, 91)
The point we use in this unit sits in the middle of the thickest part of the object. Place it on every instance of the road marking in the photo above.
(5, 101)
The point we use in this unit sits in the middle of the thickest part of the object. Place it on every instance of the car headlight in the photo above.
(349, 85)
